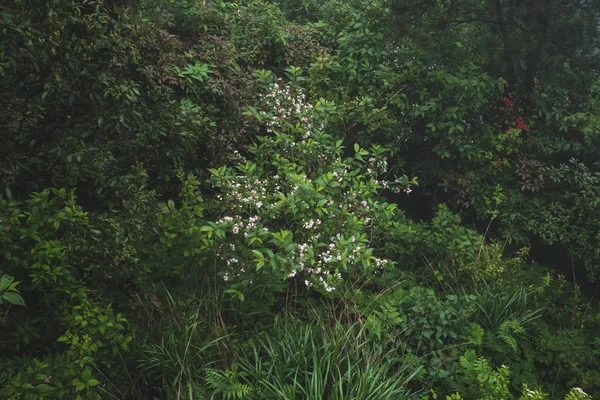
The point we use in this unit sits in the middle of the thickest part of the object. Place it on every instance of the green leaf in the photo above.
(501, 84)
(258, 254)
(93, 382)
(236, 293)
(42, 388)
(5, 282)
(254, 239)
(86, 374)
(14, 298)
(255, 113)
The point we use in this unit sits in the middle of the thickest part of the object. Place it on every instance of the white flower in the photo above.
(309, 224)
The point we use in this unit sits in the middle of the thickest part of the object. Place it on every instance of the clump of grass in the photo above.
(309, 361)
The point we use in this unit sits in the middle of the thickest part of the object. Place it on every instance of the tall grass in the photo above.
(493, 307)
(313, 362)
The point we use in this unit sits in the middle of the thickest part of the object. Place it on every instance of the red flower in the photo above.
(507, 103)
(521, 124)
(499, 161)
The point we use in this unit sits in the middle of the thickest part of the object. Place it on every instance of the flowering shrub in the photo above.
(302, 207)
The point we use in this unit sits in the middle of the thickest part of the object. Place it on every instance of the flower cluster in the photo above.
(320, 260)
(299, 211)
(310, 224)
(521, 124)
(287, 106)
(242, 193)
(399, 185)
(579, 391)
(507, 103)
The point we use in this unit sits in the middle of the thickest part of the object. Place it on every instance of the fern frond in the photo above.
(226, 383)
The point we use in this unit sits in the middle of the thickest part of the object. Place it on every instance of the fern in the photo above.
(506, 331)
(479, 380)
(226, 383)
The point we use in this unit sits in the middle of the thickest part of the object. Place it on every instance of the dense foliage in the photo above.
(308, 199)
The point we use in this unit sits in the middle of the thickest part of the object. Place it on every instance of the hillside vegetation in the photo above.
(299, 199)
